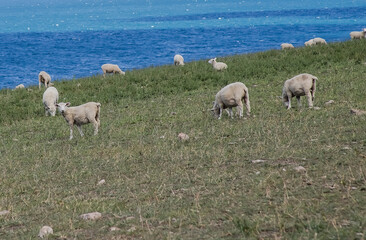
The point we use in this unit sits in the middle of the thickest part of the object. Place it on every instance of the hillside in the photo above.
(158, 187)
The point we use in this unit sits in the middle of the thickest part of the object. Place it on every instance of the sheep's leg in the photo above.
(230, 112)
(95, 124)
(71, 135)
(80, 131)
(220, 113)
(310, 101)
(298, 101)
(289, 102)
(240, 109)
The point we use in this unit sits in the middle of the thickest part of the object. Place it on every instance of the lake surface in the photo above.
(72, 39)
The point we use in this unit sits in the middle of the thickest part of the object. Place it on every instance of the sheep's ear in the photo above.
(68, 104)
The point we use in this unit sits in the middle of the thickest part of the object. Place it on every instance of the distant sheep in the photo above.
(300, 85)
(44, 78)
(178, 60)
(50, 99)
(20, 86)
(310, 42)
(358, 35)
(111, 68)
(319, 41)
(287, 46)
(219, 66)
(231, 96)
(80, 115)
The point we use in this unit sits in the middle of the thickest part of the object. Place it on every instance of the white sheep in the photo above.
(358, 35)
(287, 46)
(219, 66)
(20, 86)
(50, 99)
(231, 96)
(44, 78)
(319, 41)
(111, 68)
(178, 60)
(80, 115)
(310, 42)
(300, 85)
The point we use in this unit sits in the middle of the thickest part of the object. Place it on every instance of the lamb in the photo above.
(319, 41)
(286, 46)
(20, 86)
(231, 96)
(219, 66)
(50, 99)
(358, 35)
(80, 115)
(44, 78)
(300, 85)
(178, 60)
(111, 68)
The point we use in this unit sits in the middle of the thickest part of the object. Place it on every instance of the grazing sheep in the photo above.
(310, 42)
(358, 35)
(44, 78)
(287, 46)
(319, 41)
(178, 60)
(219, 66)
(20, 86)
(50, 99)
(231, 96)
(80, 115)
(111, 68)
(300, 85)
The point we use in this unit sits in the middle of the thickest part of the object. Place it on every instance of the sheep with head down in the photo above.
(111, 68)
(50, 99)
(287, 46)
(231, 96)
(301, 85)
(178, 60)
(44, 78)
(219, 66)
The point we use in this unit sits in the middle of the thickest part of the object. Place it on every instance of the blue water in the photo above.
(73, 38)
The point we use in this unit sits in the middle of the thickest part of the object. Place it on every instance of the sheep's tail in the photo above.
(97, 115)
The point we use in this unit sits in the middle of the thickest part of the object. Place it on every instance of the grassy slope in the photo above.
(207, 188)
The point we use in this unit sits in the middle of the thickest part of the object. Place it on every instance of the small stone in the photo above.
(300, 169)
(91, 216)
(258, 161)
(101, 182)
(162, 137)
(5, 212)
(183, 136)
(45, 230)
(112, 229)
(329, 102)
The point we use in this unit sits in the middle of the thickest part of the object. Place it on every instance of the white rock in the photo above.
(91, 216)
(5, 212)
(259, 161)
(300, 169)
(101, 182)
(45, 230)
(183, 136)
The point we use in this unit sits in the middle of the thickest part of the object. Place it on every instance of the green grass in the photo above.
(158, 187)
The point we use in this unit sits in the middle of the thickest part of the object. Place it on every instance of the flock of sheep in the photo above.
(227, 98)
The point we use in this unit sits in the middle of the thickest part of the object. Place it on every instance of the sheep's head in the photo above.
(51, 109)
(215, 109)
(212, 60)
(62, 106)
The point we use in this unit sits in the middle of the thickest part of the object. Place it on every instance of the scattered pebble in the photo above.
(91, 216)
(329, 102)
(112, 229)
(357, 112)
(258, 161)
(101, 182)
(45, 230)
(183, 136)
(5, 212)
(300, 169)
(162, 137)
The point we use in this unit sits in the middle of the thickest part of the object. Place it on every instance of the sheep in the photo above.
(358, 35)
(319, 41)
(80, 115)
(20, 86)
(300, 85)
(111, 68)
(231, 96)
(178, 60)
(219, 66)
(310, 42)
(50, 99)
(44, 78)
(286, 46)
